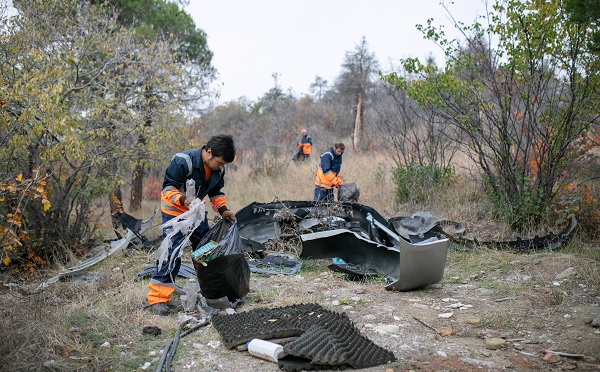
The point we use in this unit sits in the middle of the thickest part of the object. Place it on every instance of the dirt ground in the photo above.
(530, 302)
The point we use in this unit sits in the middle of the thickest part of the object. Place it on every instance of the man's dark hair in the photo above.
(339, 145)
(222, 145)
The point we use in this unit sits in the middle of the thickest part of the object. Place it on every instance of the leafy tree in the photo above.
(355, 80)
(586, 13)
(160, 19)
(523, 107)
(75, 85)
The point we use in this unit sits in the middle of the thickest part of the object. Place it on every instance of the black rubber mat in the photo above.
(291, 363)
(239, 328)
(337, 343)
(326, 338)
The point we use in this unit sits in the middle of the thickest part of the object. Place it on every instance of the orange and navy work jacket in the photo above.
(185, 165)
(306, 144)
(328, 173)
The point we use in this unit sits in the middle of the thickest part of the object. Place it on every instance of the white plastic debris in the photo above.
(185, 223)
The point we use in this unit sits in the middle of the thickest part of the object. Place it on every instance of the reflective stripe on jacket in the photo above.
(185, 165)
(329, 169)
(306, 144)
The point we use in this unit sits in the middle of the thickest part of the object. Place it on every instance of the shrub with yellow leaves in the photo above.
(14, 238)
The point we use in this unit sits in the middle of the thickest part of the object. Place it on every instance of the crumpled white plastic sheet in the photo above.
(185, 223)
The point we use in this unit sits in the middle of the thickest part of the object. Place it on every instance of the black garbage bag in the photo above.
(297, 155)
(348, 192)
(223, 271)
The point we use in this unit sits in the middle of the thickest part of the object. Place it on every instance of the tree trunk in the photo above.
(116, 206)
(137, 181)
(137, 186)
(358, 120)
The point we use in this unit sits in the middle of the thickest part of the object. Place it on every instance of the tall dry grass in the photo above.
(247, 182)
(291, 181)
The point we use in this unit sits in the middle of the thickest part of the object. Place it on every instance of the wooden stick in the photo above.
(425, 324)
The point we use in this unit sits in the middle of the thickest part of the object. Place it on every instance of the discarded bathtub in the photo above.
(356, 233)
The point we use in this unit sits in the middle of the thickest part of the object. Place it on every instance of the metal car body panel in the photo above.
(357, 234)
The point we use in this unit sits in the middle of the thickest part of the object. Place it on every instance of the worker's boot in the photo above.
(161, 308)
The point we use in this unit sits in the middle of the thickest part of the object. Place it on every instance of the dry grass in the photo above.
(64, 327)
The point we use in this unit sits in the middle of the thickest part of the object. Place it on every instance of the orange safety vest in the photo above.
(306, 144)
(185, 165)
(329, 170)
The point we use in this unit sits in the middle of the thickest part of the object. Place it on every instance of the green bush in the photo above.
(416, 182)
(521, 208)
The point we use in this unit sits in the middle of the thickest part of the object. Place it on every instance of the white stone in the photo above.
(388, 328)
(570, 271)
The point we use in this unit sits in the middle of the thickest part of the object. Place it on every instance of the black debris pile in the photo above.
(325, 338)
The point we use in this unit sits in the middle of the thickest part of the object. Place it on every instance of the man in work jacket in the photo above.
(205, 166)
(328, 174)
(305, 145)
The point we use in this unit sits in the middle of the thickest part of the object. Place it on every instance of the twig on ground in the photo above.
(425, 324)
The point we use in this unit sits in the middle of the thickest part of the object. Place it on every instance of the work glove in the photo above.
(337, 184)
(229, 214)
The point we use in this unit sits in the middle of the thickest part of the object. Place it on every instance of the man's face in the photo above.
(216, 162)
(338, 151)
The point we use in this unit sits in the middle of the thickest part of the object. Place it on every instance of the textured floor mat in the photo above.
(326, 338)
(239, 328)
(336, 343)
(296, 364)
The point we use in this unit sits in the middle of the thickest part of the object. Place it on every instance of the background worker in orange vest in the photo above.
(328, 174)
(305, 145)
(206, 166)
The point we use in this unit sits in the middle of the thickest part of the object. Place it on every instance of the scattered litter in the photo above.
(325, 337)
(445, 315)
(265, 350)
(459, 305)
(577, 356)
(189, 299)
(275, 263)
